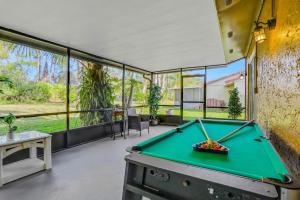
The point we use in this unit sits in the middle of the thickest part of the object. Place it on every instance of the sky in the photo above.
(234, 67)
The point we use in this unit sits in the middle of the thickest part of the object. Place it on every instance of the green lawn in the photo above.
(25, 109)
(47, 124)
(190, 114)
(57, 123)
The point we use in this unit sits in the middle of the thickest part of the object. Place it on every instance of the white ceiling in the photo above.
(150, 34)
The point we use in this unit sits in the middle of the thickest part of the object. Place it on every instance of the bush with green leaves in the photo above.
(59, 93)
(39, 92)
(30, 92)
(6, 82)
(234, 106)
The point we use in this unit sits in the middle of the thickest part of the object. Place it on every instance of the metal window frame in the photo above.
(14, 36)
(204, 92)
(24, 39)
(205, 68)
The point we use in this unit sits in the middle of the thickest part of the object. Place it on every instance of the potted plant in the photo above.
(9, 121)
(154, 98)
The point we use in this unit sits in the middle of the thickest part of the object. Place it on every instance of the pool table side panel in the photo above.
(206, 174)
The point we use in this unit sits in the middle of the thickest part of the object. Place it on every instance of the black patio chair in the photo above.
(110, 116)
(137, 122)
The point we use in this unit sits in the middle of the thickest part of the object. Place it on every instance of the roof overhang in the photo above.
(237, 19)
(152, 35)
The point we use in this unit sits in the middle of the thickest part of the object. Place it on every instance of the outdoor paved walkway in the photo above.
(93, 171)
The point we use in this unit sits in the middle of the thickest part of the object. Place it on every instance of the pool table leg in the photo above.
(127, 194)
(131, 196)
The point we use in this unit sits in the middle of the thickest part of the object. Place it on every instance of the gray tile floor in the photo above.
(92, 171)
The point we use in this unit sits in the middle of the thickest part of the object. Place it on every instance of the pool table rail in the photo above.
(290, 183)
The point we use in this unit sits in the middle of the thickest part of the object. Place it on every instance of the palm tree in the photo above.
(37, 54)
(130, 86)
(26, 52)
(3, 52)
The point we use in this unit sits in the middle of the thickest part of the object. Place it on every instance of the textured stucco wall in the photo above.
(279, 80)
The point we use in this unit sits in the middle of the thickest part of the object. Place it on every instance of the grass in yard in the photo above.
(46, 124)
(190, 114)
(25, 109)
(56, 123)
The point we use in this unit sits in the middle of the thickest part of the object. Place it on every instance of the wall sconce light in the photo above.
(242, 75)
(259, 31)
(259, 34)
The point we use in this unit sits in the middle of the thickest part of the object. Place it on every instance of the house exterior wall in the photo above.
(193, 94)
(189, 94)
(218, 90)
(278, 67)
(240, 85)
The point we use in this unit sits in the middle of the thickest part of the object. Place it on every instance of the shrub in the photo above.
(5, 81)
(234, 106)
(39, 92)
(29, 92)
(59, 93)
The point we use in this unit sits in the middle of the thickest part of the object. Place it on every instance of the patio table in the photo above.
(27, 140)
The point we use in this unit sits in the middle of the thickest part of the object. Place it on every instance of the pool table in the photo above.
(167, 167)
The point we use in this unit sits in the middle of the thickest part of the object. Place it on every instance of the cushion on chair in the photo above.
(145, 125)
(131, 112)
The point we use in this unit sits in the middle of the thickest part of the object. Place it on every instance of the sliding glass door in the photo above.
(193, 90)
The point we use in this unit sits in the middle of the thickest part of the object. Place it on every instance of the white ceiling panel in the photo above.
(150, 34)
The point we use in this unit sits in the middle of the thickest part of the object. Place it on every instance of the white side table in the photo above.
(25, 140)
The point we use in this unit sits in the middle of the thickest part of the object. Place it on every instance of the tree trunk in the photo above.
(45, 75)
(130, 94)
(52, 78)
(39, 64)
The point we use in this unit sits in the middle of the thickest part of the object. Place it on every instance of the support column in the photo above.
(1, 165)
(181, 97)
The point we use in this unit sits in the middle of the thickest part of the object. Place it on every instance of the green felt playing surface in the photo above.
(247, 156)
